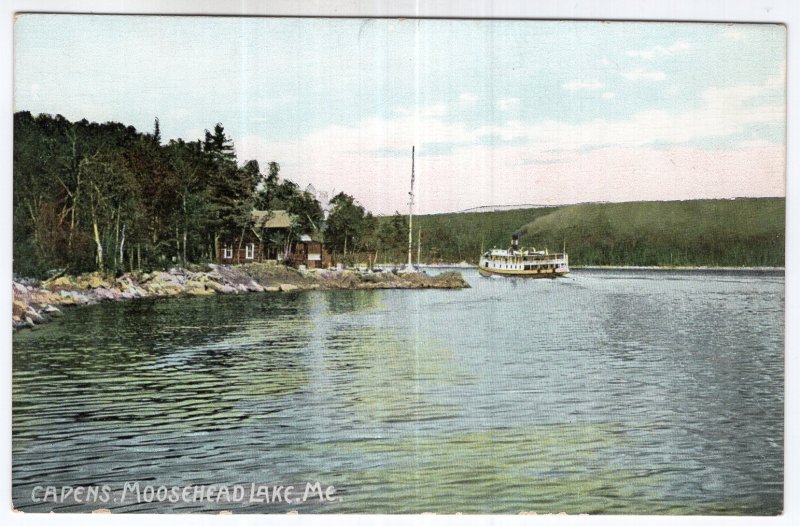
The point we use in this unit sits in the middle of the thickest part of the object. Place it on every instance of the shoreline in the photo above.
(38, 302)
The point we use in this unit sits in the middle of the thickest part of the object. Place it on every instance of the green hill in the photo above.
(740, 232)
(459, 237)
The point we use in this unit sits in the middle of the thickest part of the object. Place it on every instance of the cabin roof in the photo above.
(271, 218)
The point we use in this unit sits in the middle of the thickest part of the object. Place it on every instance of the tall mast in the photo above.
(411, 211)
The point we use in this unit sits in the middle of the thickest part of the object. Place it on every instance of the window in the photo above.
(250, 251)
(227, 252)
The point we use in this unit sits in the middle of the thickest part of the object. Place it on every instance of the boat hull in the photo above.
(513, 273)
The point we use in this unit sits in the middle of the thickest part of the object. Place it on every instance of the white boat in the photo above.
(523, 263)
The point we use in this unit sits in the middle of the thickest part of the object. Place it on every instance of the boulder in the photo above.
(64, 282)
(219, 287)
(44, 297)
(20, 290)
(254, 287)
(215, 286)
(287, 287)
(51, 310)
(18, 308)
(71, 297)
(33, 315)
(106, 294)
(197, 288)
(91, 281)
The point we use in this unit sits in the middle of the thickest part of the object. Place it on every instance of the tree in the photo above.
(231, 190)
(393, 236)
(345, 224)
(156, 132)
(91, 196)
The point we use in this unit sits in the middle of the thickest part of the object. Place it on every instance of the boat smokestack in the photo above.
(515, 241)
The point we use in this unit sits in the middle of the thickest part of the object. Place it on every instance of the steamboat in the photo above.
(523, 263)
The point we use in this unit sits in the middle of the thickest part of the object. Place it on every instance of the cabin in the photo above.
(240, 250)
(267, 240)
(310, 253)
(261, 242)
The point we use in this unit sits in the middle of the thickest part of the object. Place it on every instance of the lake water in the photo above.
(605, 392)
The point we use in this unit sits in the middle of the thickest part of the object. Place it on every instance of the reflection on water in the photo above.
(608, 392)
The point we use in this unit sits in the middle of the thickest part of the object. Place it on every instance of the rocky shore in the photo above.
(36, 302)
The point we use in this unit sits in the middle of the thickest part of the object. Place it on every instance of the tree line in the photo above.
(107, 197)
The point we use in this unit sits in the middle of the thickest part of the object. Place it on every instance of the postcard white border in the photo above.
(777, 11)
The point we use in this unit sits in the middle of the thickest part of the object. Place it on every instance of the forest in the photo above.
(106, 197)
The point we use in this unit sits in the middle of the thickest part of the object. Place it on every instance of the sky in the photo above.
(501, 112)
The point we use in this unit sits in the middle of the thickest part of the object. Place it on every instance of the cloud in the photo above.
(604, 61)
(435, 110)
(643, 74)
(583, 84)
(650, 53)
(608, 95)
(467, 99)
(649, 155)
(507, 103)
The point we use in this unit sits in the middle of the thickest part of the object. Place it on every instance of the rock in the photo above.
(220, 288)
(18, 308)
(62, 282)
(286, 287)
(272, 289)
(197, 288)
(106, 294)
(34, 316)
(51, 310)
(28, 322)
(20, 290)
(135, 292)
(254, 287)
(44, 297)
(91, 281)
(215, 286)
(74, 298)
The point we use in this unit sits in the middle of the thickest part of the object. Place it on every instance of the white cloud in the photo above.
(619, 155)
(582, 84)
(467, 98)
(643, 74)
(507, 103)
(650, 53)
(435, 110)
(604, 61)
(608, 95)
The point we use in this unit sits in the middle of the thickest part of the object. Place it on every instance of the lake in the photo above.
(606, 392)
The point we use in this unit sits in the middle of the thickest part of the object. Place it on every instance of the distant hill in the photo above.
(718, 232)
(459, 237)
(501, 208)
